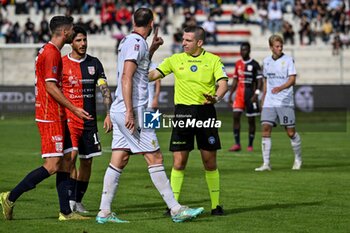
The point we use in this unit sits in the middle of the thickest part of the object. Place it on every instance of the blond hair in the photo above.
(274, 38)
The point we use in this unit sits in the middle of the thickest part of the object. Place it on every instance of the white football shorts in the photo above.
(140, 141)
(285, 116)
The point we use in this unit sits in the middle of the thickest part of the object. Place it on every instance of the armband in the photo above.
(101, 81)
(257, 92)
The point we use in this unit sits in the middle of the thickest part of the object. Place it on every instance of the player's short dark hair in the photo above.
(199, 32)
(142, 17)
(245, 44)
(78, 29)
(60, 21)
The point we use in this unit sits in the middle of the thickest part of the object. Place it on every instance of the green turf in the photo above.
(315, 199)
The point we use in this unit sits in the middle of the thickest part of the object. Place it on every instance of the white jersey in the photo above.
(133, 48)
(277, 73)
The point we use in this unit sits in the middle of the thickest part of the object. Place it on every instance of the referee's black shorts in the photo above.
(185, 128)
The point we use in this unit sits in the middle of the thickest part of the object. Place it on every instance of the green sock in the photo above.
(213, 181)
(176, 180)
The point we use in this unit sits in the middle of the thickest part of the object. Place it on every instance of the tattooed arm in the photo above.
(107, 101)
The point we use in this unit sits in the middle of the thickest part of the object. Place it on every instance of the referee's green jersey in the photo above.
(194, 76)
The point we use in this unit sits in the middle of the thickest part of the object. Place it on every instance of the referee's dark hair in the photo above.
(57, 22)
(199, 32)
(142, 17)
(78, 29)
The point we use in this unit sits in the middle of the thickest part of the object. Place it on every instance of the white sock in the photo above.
(266, 149)
(296, 145)
(161, 182)
(110, 184)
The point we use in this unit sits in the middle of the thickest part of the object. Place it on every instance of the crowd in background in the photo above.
(313, 21)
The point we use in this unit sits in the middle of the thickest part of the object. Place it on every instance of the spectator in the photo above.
(62, 6)
(209, 27)
(345, 38)
(3, 5)
(29, 32)
(176, 47)
(316, 26)
(107, 15)
(92, 27)
(21, 7)
(336, 44)
(288, 32)
(262, 13)
(238, 13)
(305, 30)
(123, 18)
(274, 10)
(327, 30)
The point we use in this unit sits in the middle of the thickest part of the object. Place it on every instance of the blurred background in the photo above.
(316, 34)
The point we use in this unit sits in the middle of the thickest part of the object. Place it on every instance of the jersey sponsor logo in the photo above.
(54, 69)
(91, 70)
(73, 80)
(211, 140)
(194, 68)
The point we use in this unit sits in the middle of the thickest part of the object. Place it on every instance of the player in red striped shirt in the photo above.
(81, 74)
(50, 117)
(247, 84)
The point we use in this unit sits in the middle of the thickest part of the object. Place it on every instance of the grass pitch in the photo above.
(314, 199)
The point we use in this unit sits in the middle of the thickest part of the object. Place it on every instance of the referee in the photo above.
(197, 72)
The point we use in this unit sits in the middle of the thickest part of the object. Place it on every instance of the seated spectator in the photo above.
(215, 9)
(62, 6)
(209, 27)
(274, 11)
(262, 17)
(3, 5)
(189, 22)
(123, 17)
(316, 26)
(238, 11)
(327, 30)
(107, 15)
(21, 7)
(176, 47)
(336, 44)
(29, 32)
(93, 28)
(305, 30)
(345, 38)
(288, 32)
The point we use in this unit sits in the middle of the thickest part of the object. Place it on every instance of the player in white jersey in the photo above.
(278, 101)
(127, 118)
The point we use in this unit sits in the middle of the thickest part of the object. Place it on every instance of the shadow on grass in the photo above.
(271, 207)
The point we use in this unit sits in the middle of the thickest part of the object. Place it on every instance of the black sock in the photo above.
(72, 189)
(81, 189)
(251, 139)
(29, 182)
(237, 136)
(62, 185)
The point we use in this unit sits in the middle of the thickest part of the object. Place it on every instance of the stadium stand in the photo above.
(315, 63)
